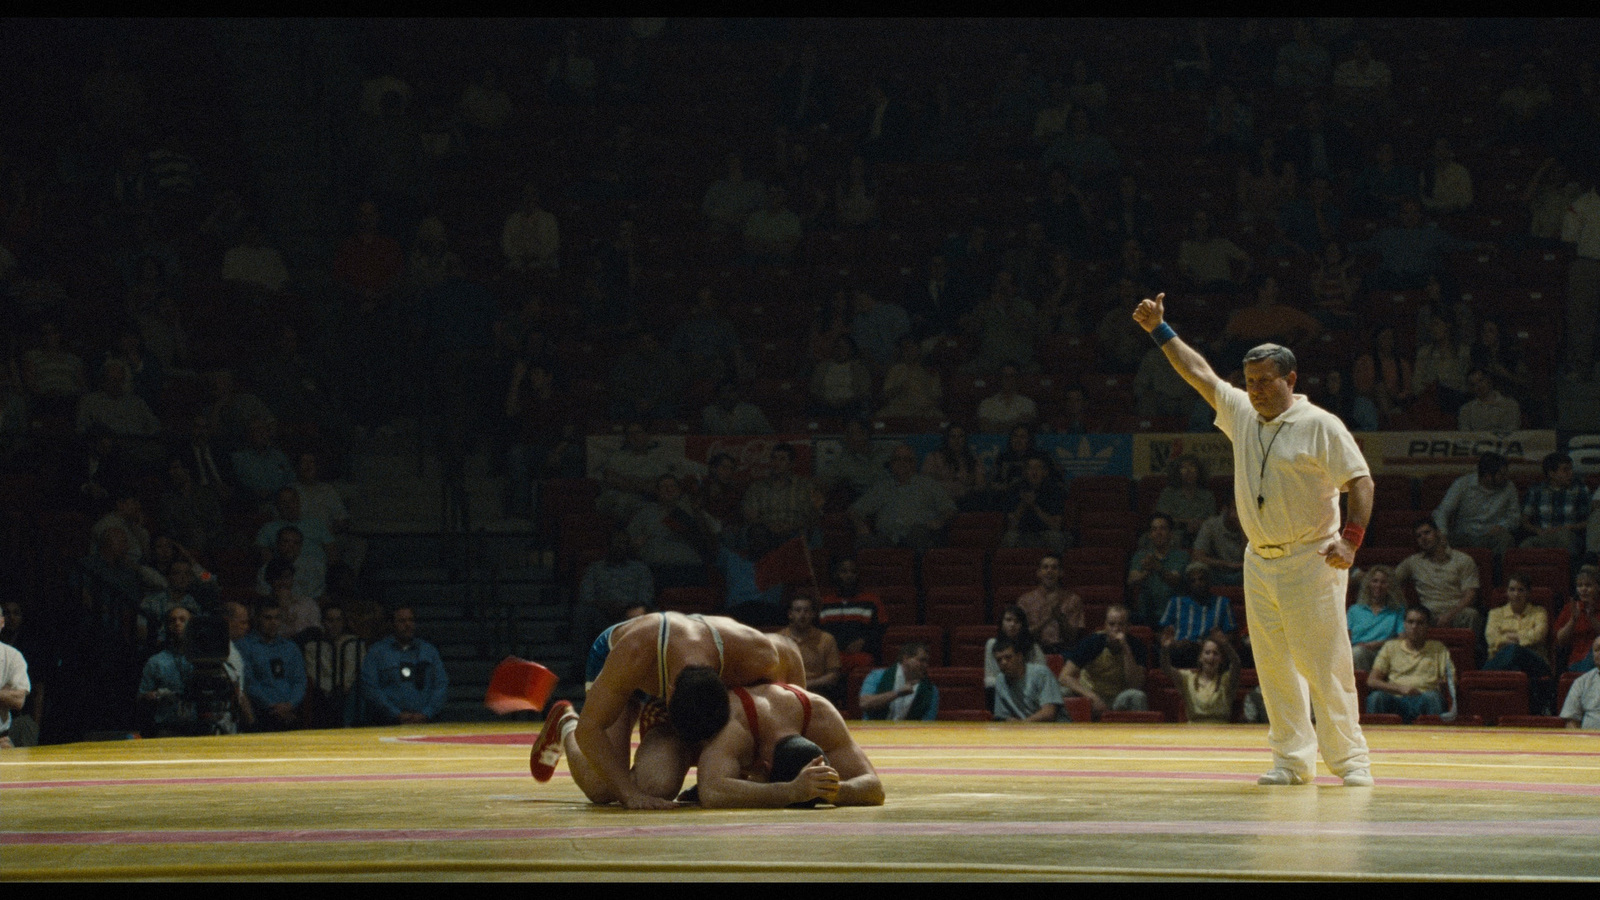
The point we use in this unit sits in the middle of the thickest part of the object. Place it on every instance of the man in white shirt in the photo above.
(1488, 410)
(1007, 409)
(1581, 227)
(14, 685)
(1292, 460)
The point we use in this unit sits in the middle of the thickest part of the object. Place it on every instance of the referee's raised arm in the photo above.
(1151, 315)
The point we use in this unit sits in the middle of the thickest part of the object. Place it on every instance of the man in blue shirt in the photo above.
(1194, 615)
(403, 681)
(902, 692)
(275, 670)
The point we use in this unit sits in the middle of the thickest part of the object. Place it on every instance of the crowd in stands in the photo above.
(739, 227)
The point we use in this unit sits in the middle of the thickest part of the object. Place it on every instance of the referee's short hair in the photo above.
(1280, 355)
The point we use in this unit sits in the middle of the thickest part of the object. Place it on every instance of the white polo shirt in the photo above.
(1297, 463)
(13, 674)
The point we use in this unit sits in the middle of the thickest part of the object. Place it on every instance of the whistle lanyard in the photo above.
(1266, 451)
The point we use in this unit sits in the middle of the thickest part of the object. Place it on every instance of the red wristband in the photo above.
(1354, 533)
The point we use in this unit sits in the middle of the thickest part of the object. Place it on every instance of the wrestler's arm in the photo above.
(859, 784)
(1185, 359)
(605, 703)
(791, 668)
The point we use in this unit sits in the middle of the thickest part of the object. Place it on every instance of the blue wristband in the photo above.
(1163, 333)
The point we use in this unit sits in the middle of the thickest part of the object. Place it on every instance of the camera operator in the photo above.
(187, 686)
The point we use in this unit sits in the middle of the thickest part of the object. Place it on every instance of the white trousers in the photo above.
(1294, 606)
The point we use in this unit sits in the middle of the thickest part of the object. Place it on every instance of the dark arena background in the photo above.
(387, 349)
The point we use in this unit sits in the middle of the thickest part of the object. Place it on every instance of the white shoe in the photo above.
(1358, 778)
(1280, 777)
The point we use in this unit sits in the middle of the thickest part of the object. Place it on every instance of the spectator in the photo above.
(1411, 674)
(176, 594)
(1230, 123)
(369, 264)
(432, 263)
(646, 382)
(1187, 498)
(321, 501)
(333, 664)
(1505, 366)
(933, 304)
(1107, 668)
(403, 680)
(1383, 186)
(877, 329)
(911, 390)
(1408, 251)
(484, 106)
(1527, 105)
(1207, 260)
(631, 473)
(1442, 365)
(1155, 573)
(1311, 221)
(570, 75)
(859, 466)
(1579, 623)
(1268, 321)
(730, 414)
(1209, 687)
(53, 375)
(1191, 68)
(14, 690)
(671, 536)
(1264, 183)
(1556, 510)
(1481, 509)
(1009, 463)
(1447, 186)
(202, 454)
(806, 90)
(1014, 628)
(254, 262)
(1362, 83)
(706, 342)
(1550, 191)
(1302, 64)
(1132, 216)
(1377, 616)
(1158, 391)
(1007, 409)
(1088, 157)
(818, 649)
(609, 587)
(1582, 707)
(901, 692)
(1334, 287)
(299, 613)
(885, 130)
(1052, 613)
(1023, 691)
(1382, 375)
(854, 617)
(275, 671)
(1220, 544)
(310, 576)
(1066, 214)
(1037, 509)
(1088, 93)
(128, 515)
(1446, 580)
(531, 238)
(784, 503)
(907, 510)
(1516, 634)
(1194, 615)
(841, 385)
(317, 538)
(856, 201)
(955, 468)
(261, 468)
(1488, 410)
(772, 232)
(1120, 350)
(1580, 226)
(730, 200)
(1051, 121)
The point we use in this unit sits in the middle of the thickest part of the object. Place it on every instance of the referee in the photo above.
(1291, 460)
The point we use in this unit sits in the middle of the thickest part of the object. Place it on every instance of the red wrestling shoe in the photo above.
(547, 749)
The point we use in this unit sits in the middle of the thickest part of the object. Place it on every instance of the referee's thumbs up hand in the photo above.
(1150, 313)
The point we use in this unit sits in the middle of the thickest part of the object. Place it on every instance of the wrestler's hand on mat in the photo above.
(645, 801)
(1151, 313)
(817, 779)
(1339, 554)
